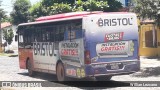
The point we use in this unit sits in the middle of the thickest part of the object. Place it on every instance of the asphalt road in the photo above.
(9, 71)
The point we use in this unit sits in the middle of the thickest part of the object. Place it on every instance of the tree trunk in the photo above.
(0, 35)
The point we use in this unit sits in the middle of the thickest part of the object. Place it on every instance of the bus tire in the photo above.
(29, 67)
(103, 78)
(60, 72)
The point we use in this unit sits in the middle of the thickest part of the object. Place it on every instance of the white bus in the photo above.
(80, 45)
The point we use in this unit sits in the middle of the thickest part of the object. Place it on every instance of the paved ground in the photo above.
(9, 71)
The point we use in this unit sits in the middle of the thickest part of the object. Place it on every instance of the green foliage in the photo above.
(8, 35)
(50, 7)
(148, 9)
(97, 5)
(6, 19)
(79, 6)
(114, 6)
(94, 5)
(49, 3)
(20, 13)
(38, 10)
(60, 8)
(2, 12)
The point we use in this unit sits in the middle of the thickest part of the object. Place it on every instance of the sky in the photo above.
(122, 1)
(7, 5)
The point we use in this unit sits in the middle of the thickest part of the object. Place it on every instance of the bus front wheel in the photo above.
(103, 78)
(29, 67)
(60, 72)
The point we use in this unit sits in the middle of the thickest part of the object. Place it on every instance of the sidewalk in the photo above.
(145, 62)
(10, 54)
(149, 68)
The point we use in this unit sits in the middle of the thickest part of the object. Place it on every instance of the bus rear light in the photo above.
(87, 57)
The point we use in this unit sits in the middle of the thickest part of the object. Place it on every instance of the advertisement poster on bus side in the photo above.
(44, 55)
(114, 49)
(71, 50)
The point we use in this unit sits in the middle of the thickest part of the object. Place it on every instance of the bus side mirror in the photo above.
(16, 37)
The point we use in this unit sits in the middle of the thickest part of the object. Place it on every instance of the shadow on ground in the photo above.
(147, 72)
(89, 83)
(13, 56)
(155, 57)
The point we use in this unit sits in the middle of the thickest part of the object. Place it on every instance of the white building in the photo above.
(7, 26)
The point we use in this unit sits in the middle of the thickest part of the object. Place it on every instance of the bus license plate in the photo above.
(114, 66)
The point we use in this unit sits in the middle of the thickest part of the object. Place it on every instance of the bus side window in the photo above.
(48, 34)
(61, 33)
(56, 37)
(20, 38)
(28, 36)
(39, 34)
(43, 34)
(32, 35)
(77, 30)
(57, 33)
(52, 34)
(25, 36)
(67, 30)
(35, 35)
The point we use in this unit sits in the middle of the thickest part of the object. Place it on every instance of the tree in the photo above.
(60, 8)
(50, 7)
(8, 35)
(90, 5)
(2, 14)
(20, 13)
(114, 6)
(148, 9)
(6, 19)
(37, 10)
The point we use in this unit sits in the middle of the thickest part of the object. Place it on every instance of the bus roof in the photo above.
(65, 16)
(61, 17)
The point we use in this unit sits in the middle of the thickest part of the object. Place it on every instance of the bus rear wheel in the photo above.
(103, 78)
(29, 67)
(61, 72)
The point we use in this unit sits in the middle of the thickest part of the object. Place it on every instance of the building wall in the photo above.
(148, 45)
(158, 41)
(14, 45)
